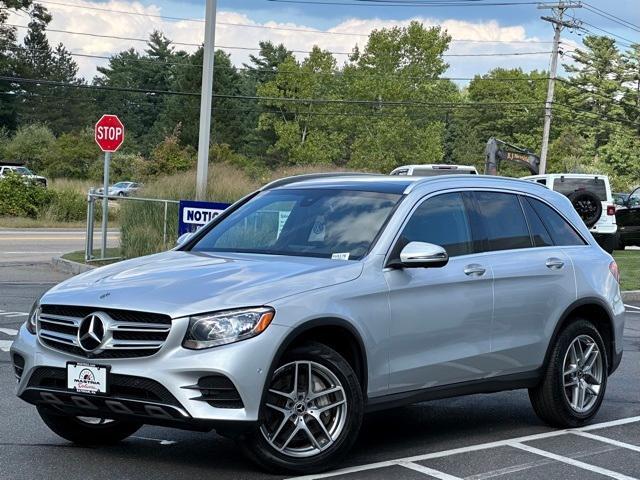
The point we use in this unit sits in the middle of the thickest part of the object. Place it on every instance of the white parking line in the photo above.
(5, 345)
(474, 448)
(572, 461)
(428, 471)
(632, 307)
(608, 440)
(13, 314)
(158, 440)
(9, 331)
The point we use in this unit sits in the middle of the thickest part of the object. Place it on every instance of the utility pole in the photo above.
(205, 99)
(558, 24)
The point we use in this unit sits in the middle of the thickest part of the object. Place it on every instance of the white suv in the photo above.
(431, 170)
(591, 197)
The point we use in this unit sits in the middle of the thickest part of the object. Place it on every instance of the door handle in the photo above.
(474, 270)
(554, 263)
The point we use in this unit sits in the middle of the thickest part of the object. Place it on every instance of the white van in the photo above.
(431, 170)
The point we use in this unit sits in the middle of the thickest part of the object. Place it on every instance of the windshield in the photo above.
(120, 185)
(23, 171)
(328, 223)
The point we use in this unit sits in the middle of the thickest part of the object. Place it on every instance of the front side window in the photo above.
(561, 232)
(443, 221)
(329, 223)
(504, 221)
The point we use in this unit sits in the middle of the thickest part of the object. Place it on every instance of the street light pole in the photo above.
(206, 99)
(558, 9)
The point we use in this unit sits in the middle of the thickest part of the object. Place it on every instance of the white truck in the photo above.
(22, 171)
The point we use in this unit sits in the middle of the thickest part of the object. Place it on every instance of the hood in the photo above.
(185, 283)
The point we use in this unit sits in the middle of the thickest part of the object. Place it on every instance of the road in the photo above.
(41, 244)
(474, 437)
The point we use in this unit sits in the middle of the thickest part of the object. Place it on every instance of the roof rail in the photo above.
(311, 176)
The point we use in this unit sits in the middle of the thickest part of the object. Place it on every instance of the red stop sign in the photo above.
(109, 133)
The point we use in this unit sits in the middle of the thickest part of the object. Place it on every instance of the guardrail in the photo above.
(92, 196)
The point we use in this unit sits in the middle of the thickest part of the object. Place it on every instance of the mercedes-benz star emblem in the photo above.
(91, 332)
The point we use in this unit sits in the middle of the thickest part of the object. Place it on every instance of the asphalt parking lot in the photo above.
(474, 437)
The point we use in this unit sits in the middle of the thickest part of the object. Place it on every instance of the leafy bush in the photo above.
(31, 144)
(71, 155)
(22, 199)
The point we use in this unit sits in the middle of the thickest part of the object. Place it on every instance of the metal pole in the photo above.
(205, 99)
(88, 249)
(164, 232)
(105, 203)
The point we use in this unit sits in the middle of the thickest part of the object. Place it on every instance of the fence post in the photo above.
(88, 251)
(164, 232)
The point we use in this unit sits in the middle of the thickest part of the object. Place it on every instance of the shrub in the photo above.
(22, 199)
(30, 145)
(71, 155)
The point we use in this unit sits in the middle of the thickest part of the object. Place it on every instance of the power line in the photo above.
(611, 17)
(403, 4)
(611, 34)
(270, 27)
(328, 101)
(229, 47)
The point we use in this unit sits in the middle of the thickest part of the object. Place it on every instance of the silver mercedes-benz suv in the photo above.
(320, 298)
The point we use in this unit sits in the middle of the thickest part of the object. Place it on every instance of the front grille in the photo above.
(120, 386)
(127, 334)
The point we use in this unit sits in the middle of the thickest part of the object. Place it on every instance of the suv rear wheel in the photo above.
(88, 430)
(575, 381)
(311, 412)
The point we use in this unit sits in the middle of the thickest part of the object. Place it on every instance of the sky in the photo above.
(513, 29)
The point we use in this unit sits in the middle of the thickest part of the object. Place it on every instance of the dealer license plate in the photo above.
(86, 378)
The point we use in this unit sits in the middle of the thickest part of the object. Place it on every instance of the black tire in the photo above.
(121, 194)
(85, 433)
(548, 399)
(588, 206)
(258, 449)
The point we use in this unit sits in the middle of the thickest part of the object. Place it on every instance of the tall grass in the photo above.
(142, 223)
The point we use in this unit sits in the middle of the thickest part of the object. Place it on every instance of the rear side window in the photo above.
(541, 237)
(504, 221)
(562, 233)
(443, 221)
(567, 186)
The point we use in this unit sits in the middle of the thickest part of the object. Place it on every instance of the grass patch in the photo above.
(25, 222)
(78, 256)
(629, 265)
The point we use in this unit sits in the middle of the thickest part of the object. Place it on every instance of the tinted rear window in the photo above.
(567, 186)
(561, 232)
(433, 172)
(504, 221)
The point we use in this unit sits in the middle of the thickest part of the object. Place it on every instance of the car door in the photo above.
(440, 317)
(533, 280)
(628, 220)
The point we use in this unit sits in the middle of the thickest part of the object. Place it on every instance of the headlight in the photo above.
(34, 314)
(219, 328)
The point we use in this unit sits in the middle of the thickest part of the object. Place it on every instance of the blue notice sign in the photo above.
(193, 215)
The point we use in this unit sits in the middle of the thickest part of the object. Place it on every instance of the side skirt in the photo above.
(486, 385)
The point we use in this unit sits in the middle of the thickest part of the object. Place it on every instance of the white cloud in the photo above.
(135, 26)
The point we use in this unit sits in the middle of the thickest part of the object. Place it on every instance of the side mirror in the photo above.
(423, 255)
(183, 238)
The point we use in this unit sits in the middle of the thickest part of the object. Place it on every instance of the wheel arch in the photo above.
(336, 333)
(595, 310)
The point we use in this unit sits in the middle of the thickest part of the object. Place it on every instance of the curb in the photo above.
(67, 266)
(631, 296)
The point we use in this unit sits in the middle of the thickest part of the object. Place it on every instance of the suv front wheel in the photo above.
(572, 389)
(311, 412)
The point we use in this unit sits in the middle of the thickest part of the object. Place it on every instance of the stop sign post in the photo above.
(109, 135)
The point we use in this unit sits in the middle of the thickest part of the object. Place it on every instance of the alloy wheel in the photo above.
(305, 411)
(583, 371)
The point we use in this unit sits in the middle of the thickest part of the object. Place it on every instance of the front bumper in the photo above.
(174, 369)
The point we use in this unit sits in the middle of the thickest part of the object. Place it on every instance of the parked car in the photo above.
(121, 189)
(376, 291)
(628, 220)
(431, 170)
(592, 198)
(24, 172)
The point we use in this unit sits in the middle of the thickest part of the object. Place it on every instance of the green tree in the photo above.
(31, 145)
(72, 154)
